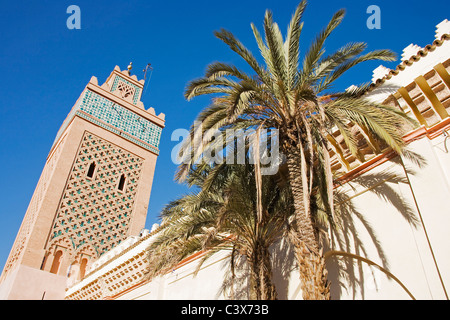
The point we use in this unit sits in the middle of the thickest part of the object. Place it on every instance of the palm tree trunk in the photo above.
(313, 273)
(297, 182)
(312, 269)
(267, 286)
(262, 284)
(255, 288)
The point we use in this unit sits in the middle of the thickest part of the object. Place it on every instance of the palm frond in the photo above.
(316, 50)
(235, 45)
(274, 42)
(292, 43)
(384, 121)
(383, 55)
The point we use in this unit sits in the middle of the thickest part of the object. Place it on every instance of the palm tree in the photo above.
(222, 215)
(292, 95)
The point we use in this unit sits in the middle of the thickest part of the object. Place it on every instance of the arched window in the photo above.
(121, 185)
(56, 262)
(83, 268)
(91, 170)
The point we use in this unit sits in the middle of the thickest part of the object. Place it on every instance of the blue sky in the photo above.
(45, 67)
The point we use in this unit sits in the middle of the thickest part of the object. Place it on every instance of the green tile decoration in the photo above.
(94, 215)
(115, 118)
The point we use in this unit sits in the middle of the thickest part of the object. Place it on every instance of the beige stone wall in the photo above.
(397, 221)
(26, 283)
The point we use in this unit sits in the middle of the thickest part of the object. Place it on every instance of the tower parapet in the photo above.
(116, 106)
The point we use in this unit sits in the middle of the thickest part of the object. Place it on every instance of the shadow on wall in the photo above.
(236, 280)
(235, 285)
(346, 272)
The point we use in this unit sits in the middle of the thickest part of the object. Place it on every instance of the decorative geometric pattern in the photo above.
(121, 118)
(93, 211)
(125, 89)
(119, 82)
(125, 275)
(121, 268)
(117, 117)
(116, 131)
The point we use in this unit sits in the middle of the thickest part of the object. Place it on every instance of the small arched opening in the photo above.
(56, 262)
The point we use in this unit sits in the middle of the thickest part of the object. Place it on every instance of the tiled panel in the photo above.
(121, 118)
(113, 116)
(93, 211)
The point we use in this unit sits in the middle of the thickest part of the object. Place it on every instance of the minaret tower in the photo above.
(93, 192)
